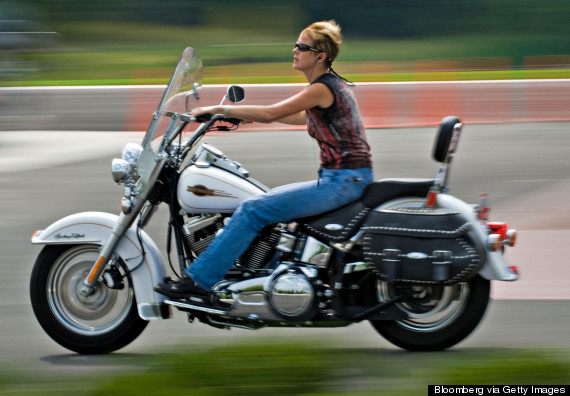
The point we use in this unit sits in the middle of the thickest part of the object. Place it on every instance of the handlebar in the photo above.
(207, 122)
(203, 118)
(206, 117)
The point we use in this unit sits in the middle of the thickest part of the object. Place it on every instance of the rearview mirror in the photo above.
(235, 94)
(195, 93)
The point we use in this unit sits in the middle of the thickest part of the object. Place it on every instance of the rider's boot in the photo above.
(181, 289)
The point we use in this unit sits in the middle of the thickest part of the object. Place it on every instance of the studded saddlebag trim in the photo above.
(418, 232)
(341, 235)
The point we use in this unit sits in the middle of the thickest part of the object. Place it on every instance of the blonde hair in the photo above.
(326, 37)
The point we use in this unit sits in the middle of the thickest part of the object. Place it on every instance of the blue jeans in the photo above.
(335, 188)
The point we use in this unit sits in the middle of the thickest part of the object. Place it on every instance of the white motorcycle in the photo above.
(408, 257)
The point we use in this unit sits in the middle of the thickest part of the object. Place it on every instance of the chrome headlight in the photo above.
(119, 170)
(125, 169)
(131, 153)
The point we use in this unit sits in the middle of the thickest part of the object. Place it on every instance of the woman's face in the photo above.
(304, 59)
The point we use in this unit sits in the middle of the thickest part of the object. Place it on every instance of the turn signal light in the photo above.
(494, 242)
(511, 237)
(126, 205)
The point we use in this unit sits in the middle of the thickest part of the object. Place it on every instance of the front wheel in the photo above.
(102, 322)
(438, 316)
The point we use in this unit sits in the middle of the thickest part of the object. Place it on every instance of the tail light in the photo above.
(498, 228)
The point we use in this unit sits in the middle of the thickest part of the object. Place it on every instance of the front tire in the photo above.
(438, 316)
(103, 322)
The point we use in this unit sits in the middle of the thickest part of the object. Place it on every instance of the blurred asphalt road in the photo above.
(524, 168)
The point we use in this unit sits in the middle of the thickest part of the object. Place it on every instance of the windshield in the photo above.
(187, 78)
(188, 72)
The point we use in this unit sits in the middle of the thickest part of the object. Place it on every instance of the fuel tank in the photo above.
(215, 184)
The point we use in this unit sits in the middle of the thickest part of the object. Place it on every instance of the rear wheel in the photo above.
(438, 316)
(104, 321)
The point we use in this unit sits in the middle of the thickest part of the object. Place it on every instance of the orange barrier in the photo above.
(404, 104)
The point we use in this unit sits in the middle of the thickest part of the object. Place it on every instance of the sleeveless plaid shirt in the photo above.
(338, 129)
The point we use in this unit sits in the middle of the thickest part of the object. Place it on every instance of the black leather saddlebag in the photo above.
(422, 246)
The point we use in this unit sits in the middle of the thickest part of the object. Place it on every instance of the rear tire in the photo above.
(438, 316)
(103, 322)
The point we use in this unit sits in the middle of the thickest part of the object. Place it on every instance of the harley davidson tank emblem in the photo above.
(203, 191)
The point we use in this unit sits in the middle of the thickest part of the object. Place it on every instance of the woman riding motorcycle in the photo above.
(329, 109)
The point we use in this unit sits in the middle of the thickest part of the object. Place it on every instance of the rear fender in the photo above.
(495, 267)
(95, 228)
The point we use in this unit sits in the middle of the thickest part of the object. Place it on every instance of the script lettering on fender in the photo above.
(203, 191)
(72, 236)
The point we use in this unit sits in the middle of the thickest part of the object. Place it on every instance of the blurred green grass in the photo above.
(113, 53)
(301, 368)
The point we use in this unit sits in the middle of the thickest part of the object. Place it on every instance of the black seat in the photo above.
(386, 189)
(342, 223)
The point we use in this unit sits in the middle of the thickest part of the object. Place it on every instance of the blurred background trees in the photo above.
(367, 18)
(115, 40)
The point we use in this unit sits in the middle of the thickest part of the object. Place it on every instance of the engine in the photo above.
(292, 295)
(200, 232)
(277, 289)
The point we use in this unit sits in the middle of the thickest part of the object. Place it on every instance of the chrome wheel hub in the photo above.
(428, 307)
(97, 313)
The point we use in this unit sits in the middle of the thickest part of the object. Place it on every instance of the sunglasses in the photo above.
(304, 47)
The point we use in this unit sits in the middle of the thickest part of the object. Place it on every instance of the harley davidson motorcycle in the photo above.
(408, 257)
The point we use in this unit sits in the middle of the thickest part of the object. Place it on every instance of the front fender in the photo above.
(95, 228)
